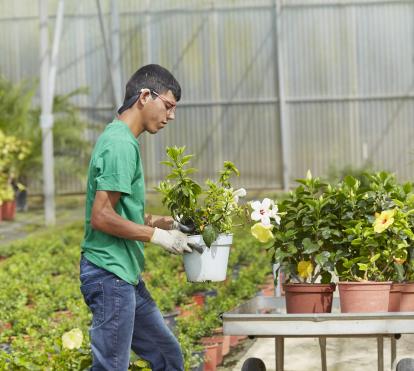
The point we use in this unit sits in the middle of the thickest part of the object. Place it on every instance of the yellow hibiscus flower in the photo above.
(305, 269)
(383, 220)
(72, 339)
(262, 232)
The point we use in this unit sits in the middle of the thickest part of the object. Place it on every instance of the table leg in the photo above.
(380, 347)
(322, 345)
(393, 351)
(280, 345)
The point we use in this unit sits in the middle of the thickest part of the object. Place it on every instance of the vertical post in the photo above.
(46, 118)
(393, 351)
(380, 351)
(106, 50)
(218, 110)
(116, 53)
(283, 109)
(322, 345)
(152, 150)
(280, 350)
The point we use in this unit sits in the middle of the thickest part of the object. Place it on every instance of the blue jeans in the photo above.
(125, 317)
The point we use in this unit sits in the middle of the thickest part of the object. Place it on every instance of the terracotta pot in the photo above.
(187, 310)
(234, 339)
(210, 358)
(9, 210)
(199, 299)
(226, 340)
(215, 340)
(309, 297)
(407, 297)
(360, 297)
(1, 212)
(395, 297)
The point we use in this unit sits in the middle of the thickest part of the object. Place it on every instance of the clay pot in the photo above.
(363, 297)
(8, 210)
(199, 299)
(210, 358)
(309, 297)
(215, 340)
(226, 340)
(395, 297)
(407, 297)
(187, 310)
(234, 339)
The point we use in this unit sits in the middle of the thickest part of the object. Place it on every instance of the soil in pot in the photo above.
(363, 297)
(309, 297)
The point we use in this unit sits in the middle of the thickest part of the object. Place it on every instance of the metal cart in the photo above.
(266, 317)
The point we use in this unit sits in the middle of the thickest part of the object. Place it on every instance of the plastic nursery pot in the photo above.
(407, 297)
(170, 319)
(309, 297)
(395, 297)
(363, 297)
(211, 265)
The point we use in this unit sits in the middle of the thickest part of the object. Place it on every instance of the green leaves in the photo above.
(209, 234)
(186, 200)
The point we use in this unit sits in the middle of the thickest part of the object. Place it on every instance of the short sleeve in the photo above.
(116, 166)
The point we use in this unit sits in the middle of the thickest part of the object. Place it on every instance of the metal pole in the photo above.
(107, 55)
(283, 113)
(47, 80)
(116, 53)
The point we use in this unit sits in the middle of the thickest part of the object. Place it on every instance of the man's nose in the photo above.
(171, 115)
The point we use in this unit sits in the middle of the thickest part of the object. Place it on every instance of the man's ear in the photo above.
(145, 96)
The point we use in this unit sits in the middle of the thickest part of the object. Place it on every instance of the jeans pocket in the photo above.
(94, 297)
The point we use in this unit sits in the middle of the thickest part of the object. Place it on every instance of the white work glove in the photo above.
(173, 241)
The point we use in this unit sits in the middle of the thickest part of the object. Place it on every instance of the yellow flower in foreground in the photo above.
(72, 339)
(305, 268)
(262, 232)
(383, 220)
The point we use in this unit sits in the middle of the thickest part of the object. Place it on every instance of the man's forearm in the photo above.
(108, 221)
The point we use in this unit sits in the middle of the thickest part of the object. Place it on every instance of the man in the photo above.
(124, 315)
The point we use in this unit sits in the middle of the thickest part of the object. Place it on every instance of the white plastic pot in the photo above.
(211, 265)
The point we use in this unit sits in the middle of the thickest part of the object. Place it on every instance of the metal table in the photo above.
(266, 317)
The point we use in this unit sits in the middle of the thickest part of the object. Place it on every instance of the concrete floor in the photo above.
(345, 354)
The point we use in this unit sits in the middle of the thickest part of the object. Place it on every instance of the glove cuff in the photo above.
(159, 236)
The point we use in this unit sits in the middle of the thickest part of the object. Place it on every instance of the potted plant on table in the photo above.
(376, 240)
(303, 231)
(210, 211)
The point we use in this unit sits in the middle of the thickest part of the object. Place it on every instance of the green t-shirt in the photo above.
(116, 166)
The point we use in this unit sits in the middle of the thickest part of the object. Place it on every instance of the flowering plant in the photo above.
(303, 233)
(374, 215)
(210, 211)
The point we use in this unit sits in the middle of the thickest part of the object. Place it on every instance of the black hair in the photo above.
(152, 77)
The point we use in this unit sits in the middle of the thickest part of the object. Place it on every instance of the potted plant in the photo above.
(13, 153)
(302, 231)
(376, 238)
(210, 211)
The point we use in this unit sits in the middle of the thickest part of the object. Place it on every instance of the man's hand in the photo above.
(173, 241)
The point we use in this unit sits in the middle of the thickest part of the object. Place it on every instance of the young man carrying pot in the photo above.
(124, 315)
